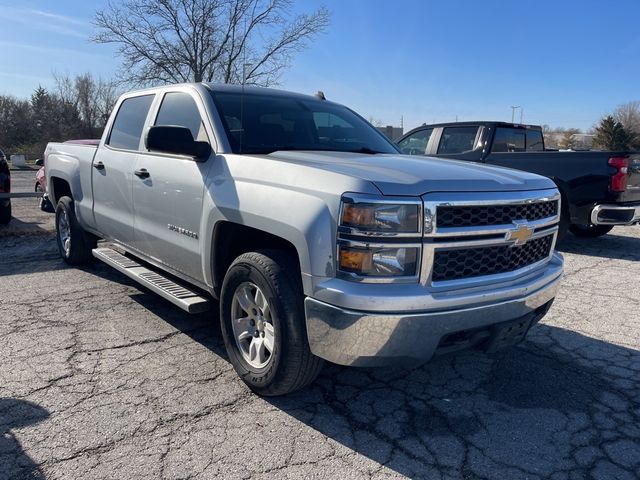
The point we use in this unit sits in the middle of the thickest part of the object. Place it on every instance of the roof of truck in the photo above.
(250, 89)
(480, 122)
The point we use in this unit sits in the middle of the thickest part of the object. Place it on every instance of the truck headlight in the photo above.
(391, 218)
(379, 238)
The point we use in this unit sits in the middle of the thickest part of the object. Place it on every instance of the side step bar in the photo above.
(177, 294)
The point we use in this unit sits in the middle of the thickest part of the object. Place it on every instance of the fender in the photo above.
(303, 216)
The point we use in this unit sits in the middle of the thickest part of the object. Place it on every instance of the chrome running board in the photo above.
(180, 296)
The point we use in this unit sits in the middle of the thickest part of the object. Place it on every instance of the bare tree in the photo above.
(568, 140)
(226, 41)
(628, 115)
(90, 99)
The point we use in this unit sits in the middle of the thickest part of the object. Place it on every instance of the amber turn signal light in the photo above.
(355, 260)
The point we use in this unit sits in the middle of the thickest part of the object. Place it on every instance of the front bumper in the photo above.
(375, 338)
(615, 214)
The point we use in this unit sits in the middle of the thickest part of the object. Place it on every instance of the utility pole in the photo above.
(513, 112)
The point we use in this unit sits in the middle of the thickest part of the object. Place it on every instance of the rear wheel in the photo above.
(263, 324)
(590, 231)
(74, 244)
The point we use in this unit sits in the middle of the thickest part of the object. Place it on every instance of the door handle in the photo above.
(142, 173)
(98, 166)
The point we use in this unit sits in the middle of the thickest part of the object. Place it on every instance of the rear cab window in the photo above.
(460, 139)
(129, 122)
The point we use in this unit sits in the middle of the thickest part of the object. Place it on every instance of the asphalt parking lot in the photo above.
(102, 379)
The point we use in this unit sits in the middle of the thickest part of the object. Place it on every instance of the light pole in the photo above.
(513, 112)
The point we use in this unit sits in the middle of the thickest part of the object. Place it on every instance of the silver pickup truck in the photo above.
(317, 237)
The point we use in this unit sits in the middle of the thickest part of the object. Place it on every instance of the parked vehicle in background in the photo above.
(599, 189)
(41, 187)
(5, 187)
(319, 239)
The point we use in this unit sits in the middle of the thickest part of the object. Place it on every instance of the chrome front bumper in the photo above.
(615, 214)
(374, 338)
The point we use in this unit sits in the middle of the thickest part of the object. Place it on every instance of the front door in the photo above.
(168, 192)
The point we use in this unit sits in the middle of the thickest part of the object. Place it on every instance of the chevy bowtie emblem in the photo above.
(520, 234)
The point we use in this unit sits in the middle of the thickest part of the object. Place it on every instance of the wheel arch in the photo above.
(59, 187)
(230, 240)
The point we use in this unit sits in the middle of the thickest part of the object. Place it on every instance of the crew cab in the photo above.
(317, 237)
(599, 189)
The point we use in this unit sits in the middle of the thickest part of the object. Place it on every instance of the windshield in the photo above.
(263, 123)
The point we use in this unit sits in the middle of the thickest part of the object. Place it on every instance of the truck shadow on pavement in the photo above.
(619, 247)
(16, 414)
(29, 254)
(17, 227)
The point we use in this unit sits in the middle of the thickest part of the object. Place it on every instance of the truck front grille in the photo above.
(487, 215)
(479, 238)
(462, 263)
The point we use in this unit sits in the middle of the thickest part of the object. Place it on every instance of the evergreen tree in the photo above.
(611, 135)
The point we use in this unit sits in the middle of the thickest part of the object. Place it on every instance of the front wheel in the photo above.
(263, 324)
(590, 231)
(74, 244)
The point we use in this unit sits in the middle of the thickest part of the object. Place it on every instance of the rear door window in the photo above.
(416, 143)
(517, 140)
(509, 140)
(129, 122)
(459, 139)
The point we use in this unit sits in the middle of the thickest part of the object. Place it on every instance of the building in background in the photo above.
(583, 141)
(392, 133)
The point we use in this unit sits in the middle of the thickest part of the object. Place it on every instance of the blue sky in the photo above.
(565, 62)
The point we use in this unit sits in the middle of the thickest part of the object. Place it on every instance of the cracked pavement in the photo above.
(102, 379)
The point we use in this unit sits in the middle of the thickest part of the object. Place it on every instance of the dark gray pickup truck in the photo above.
(599, 189)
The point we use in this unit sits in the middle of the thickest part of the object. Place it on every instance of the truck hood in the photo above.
(417, 175)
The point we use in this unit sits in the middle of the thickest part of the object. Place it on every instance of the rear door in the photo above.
(168, 198)
(113, 168)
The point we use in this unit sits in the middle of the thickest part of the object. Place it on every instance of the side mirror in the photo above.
(174, 139)
(39, 162)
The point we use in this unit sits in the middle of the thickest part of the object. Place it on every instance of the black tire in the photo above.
(5, 214)
(80, 243)
(590, 231)
(291, 365)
